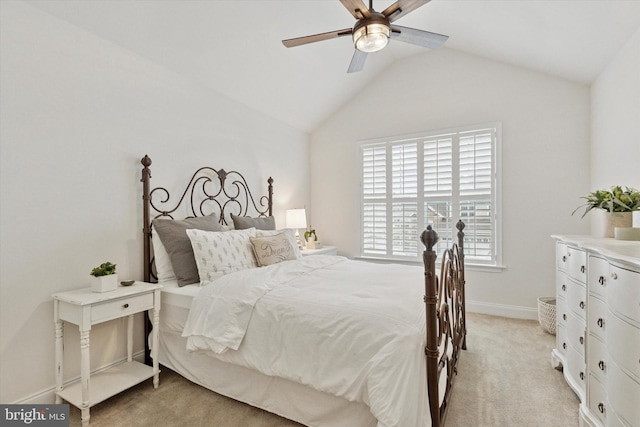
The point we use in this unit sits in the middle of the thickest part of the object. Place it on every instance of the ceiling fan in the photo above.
(373, 30)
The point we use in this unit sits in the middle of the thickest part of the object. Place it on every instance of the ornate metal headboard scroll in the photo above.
(208, 191)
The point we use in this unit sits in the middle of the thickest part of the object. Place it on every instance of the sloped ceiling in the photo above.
(234, 46)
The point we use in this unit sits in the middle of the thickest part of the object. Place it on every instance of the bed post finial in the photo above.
(270, 192)
(429, 238)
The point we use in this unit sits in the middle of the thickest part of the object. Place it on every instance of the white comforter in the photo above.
(349, 328)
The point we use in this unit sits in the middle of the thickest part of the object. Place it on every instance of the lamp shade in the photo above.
(296, 218)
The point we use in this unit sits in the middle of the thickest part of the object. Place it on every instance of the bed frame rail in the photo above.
(445, 316)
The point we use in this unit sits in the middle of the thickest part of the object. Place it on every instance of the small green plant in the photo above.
(615, 200)
(308, 234)
(104, 269)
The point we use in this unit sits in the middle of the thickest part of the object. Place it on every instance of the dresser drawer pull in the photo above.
(582, 376)
(582, 305)
(564, 258)
(582, 269)
(601, 407)
(564, 345)
(581, 340)
(614, 276)
(564, 317)
(600, 322)
(564, 287)
(125, 306)
(601, 280)
(601, 365)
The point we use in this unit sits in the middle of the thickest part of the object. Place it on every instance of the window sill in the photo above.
(468, 266)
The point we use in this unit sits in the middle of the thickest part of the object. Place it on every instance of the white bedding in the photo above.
(351, 329)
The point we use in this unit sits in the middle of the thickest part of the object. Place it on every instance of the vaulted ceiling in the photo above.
(234, 47)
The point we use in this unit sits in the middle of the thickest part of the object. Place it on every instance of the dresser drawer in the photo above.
(577, 298)
(623, 341)
(562, 256)
(108, 310)
(575, 332)
(577, 264)
(576, 370)
(623, 293)
(597, 358)
(598, 275)
(624, 395)
(598, 405)
(597, 317)
(561, 337)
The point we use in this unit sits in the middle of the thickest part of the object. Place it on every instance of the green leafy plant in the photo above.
(615, 200)
(104, 269)
(308, 234)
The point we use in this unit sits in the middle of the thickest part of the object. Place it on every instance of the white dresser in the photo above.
(598, 327)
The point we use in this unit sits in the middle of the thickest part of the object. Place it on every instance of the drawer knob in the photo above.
(582, 269)
(564, 258)
(581, 340)
(582, 305)
(125, 306)
(600, 322)
(601, 407)
(614, 276)
(564, 345)
(601, 365)
(564, 287)
(601, 280)
(564, 317)
(582, 376)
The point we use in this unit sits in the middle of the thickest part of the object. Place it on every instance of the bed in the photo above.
(321, 340)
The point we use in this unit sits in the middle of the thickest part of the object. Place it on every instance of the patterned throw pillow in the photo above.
(221, 253)
(273, 249)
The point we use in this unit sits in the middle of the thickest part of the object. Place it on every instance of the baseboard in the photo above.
(503, 310)
(48, 395)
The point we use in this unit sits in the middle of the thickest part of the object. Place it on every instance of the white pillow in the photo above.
(290, 235)
(164, 269)
(217, 254)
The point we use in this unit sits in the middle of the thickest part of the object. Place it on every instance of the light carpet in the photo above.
(505, 379)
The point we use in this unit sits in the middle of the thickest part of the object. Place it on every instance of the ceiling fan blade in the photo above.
(316, 37)
(418, 37)
(402, 7)
(357, 8)
(357, 62)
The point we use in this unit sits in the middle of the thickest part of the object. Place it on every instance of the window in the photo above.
(435, 178)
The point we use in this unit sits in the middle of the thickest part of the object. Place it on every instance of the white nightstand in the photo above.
(85, 308)
(325, 250)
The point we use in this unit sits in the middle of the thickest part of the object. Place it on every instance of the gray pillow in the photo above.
(174, 237)
(260, 223)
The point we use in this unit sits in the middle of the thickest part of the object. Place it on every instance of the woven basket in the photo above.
(547, 314)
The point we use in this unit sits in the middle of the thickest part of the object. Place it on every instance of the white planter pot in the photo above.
(104, 283)
(607, 222)
(312, 244)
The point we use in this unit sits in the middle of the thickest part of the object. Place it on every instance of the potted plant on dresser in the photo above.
(104, 278)
(615, 206)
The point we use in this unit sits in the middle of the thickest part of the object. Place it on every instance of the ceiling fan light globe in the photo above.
(371, 38)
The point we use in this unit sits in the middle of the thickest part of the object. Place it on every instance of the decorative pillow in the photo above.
(161, 259)
(288, 233)
(217, 254)
(273, 249)
(259, 223)
(175, 240)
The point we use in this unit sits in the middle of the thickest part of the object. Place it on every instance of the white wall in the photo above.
(615, 120)
(545, 128)
(77, 114)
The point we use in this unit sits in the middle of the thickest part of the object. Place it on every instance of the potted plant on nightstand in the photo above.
(104, 278)
(311, 243)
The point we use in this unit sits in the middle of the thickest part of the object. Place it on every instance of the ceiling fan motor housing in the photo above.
(371, 34)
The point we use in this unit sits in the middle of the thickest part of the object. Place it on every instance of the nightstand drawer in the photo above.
(121, 307)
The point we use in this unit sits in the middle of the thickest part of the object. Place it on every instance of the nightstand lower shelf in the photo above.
(108, 383)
